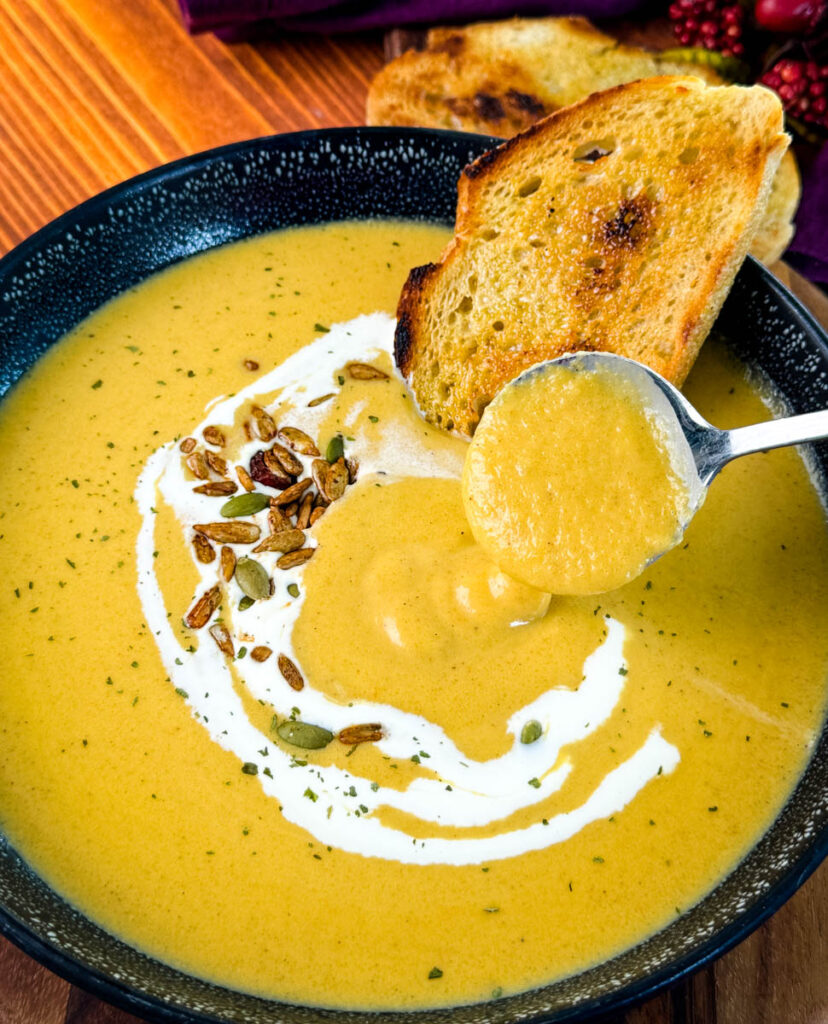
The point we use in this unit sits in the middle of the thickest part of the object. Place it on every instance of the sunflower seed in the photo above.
(265, 426)
(228, 563)
(298, 440)
(336, 481)
(247, 430)
(353, 470)
(216, 463)
(187, 445)
(368, 732)
(250, 364)
(252, 578)
(219, 632)
(244, 478)
(284, 540)
(291, 509)
(212, 435)
(289, 462)
(276, 519)
(216, 488)
(322, 398)
(260, 653)
(290, 494)
(197, 465)
(245, 505)
(290, 672)
(203, 549)
(295, 558)
(364, 371)
(317, 514)
(276, 478)
(303, 734)
(305, 509)
(199, 614)
(229, 533)
(319, 472)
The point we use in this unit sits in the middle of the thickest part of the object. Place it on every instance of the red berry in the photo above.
(712, 24)
(801, 86)
(795, 17)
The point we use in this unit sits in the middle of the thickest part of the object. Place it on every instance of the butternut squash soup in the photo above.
(270, 714)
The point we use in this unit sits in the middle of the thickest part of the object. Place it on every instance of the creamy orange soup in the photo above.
(544, 781)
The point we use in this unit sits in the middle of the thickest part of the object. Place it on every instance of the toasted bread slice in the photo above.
(500, 77)
(617, 224)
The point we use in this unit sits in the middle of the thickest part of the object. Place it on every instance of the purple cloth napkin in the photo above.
(240, 16)
(809, 249)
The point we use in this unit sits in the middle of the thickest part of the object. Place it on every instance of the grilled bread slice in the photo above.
(617, 224)
(500, 77)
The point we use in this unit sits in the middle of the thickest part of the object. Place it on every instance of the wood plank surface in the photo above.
(93, 92)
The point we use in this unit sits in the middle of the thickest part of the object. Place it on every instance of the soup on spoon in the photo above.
(587, 468)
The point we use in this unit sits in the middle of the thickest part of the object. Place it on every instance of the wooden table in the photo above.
(93, 92)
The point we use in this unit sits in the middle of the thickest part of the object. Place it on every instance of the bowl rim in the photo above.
(152, 1008)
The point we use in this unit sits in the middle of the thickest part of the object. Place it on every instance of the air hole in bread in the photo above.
(594, 262)
(536, 242)
(466, 304)
(529, 186)
(689, 155)
(473, 283)
(489, 234)
(498, 325)
(595, 149)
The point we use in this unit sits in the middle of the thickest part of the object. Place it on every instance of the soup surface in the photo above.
(549, 780)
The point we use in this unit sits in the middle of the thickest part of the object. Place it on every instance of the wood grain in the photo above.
(92, 93)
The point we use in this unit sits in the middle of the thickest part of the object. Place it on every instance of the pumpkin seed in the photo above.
(291, 673)
(293, 589)
(305, 735)
(298, 440)
(230, 533)
(245, 603)
(335, 449)
(212, 435)
(216, 488)
(252, 578)
(245, 505)
(367, 732)
(531, 731)
(199, 614)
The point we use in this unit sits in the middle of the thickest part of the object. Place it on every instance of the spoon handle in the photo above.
(811, 426)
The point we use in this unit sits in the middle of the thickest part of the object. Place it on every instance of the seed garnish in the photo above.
(187, 445)
(295, 491)
(216, 463)
(219, 632)
(294, 558)
(217, 488)
(368, 732)
(244, 478)
(336, 480)
(276, 478)
(284, 541)
(335, 449)
(316, 515)
(303, 734)
(203, 549)
(364, 371)
(261, 653)
(247, 504)
(322, 398)
(252, 579)
(289, 462)
(230, 533)
(298, 440)
(212, 435)
(290, 672)
(199, 614)
(228, 563)
(305, 509)
(265, 426)
(197, 465)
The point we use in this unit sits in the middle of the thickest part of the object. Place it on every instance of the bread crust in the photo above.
(555, 253)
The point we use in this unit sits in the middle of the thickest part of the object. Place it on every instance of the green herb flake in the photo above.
(248, 768)
(622, 671)
(434, 973)
(535, 783)
(321, 328)
(374, 419)
(97, 384)
(309, 793)
(182, 693)
(293, 589)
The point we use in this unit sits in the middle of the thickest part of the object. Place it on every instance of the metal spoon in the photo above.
(702, 449)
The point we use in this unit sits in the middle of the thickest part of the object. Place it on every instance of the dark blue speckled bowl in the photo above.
(72, 266)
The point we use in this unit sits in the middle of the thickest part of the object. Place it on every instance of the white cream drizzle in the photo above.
(334, 805)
